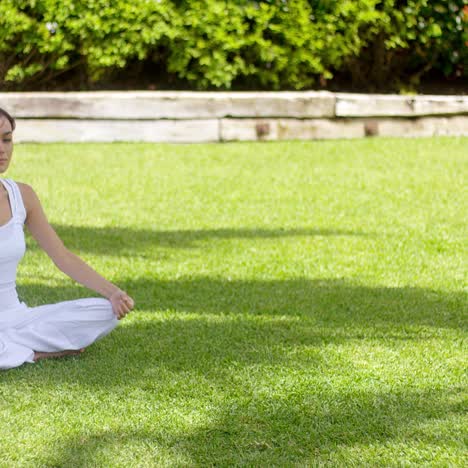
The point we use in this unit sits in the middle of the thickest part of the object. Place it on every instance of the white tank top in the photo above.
(12, 247)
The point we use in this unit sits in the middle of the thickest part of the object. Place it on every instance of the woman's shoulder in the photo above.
(25, 189)
(27, 194)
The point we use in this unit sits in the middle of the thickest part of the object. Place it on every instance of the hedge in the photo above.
(213, 44)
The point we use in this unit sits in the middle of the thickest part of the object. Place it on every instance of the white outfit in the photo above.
(69, 325)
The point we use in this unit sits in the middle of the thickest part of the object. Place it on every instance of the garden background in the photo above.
(298, 303)
(346, 45)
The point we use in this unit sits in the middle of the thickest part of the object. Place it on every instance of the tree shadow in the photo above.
(282, 430)
(201, 325)
(196, 331)
(328, 302)
(126, 241)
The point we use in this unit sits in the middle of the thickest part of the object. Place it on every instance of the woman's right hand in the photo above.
(122, 303)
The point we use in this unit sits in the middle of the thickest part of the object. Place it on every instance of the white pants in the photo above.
(68, 325)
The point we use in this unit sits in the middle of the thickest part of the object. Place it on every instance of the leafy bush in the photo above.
(414, 38)
(40, 39)
(273, 44)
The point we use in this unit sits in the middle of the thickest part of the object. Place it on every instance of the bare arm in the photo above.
(66, 261)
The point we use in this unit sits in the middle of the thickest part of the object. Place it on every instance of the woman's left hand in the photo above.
(122, 303)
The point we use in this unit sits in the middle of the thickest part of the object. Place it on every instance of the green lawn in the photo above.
(298, 304)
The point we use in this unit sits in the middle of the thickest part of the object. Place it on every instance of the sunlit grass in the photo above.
(298, 303)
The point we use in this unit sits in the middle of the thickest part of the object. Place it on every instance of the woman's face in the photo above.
(6, 144)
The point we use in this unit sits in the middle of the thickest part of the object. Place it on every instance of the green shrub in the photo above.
(271, 44)
(416, 37)
(213, 44)
(42, 38)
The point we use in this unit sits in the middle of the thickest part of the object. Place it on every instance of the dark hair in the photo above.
(4, 113)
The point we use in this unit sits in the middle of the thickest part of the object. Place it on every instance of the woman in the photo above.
(28, 334)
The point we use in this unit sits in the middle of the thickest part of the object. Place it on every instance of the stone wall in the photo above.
(178, 116)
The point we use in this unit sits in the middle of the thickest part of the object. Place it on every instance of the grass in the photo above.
(298, 304)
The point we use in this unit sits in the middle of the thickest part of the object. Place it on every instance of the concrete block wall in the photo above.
(190, 117)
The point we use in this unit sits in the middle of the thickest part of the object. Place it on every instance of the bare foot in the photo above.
(38, 355)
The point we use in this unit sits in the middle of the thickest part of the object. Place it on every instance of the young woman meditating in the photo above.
(28, 334)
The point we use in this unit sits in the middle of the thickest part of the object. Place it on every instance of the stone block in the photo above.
(305, 104)
(424, 126)
(248, 129)
(130, 105)
(171, 131)
(289, 129)
(375, 105)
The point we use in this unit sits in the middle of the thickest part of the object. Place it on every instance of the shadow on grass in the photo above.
(234, 337)
(282, 432)
(204, 325)
(322, 302)
(124, 241)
